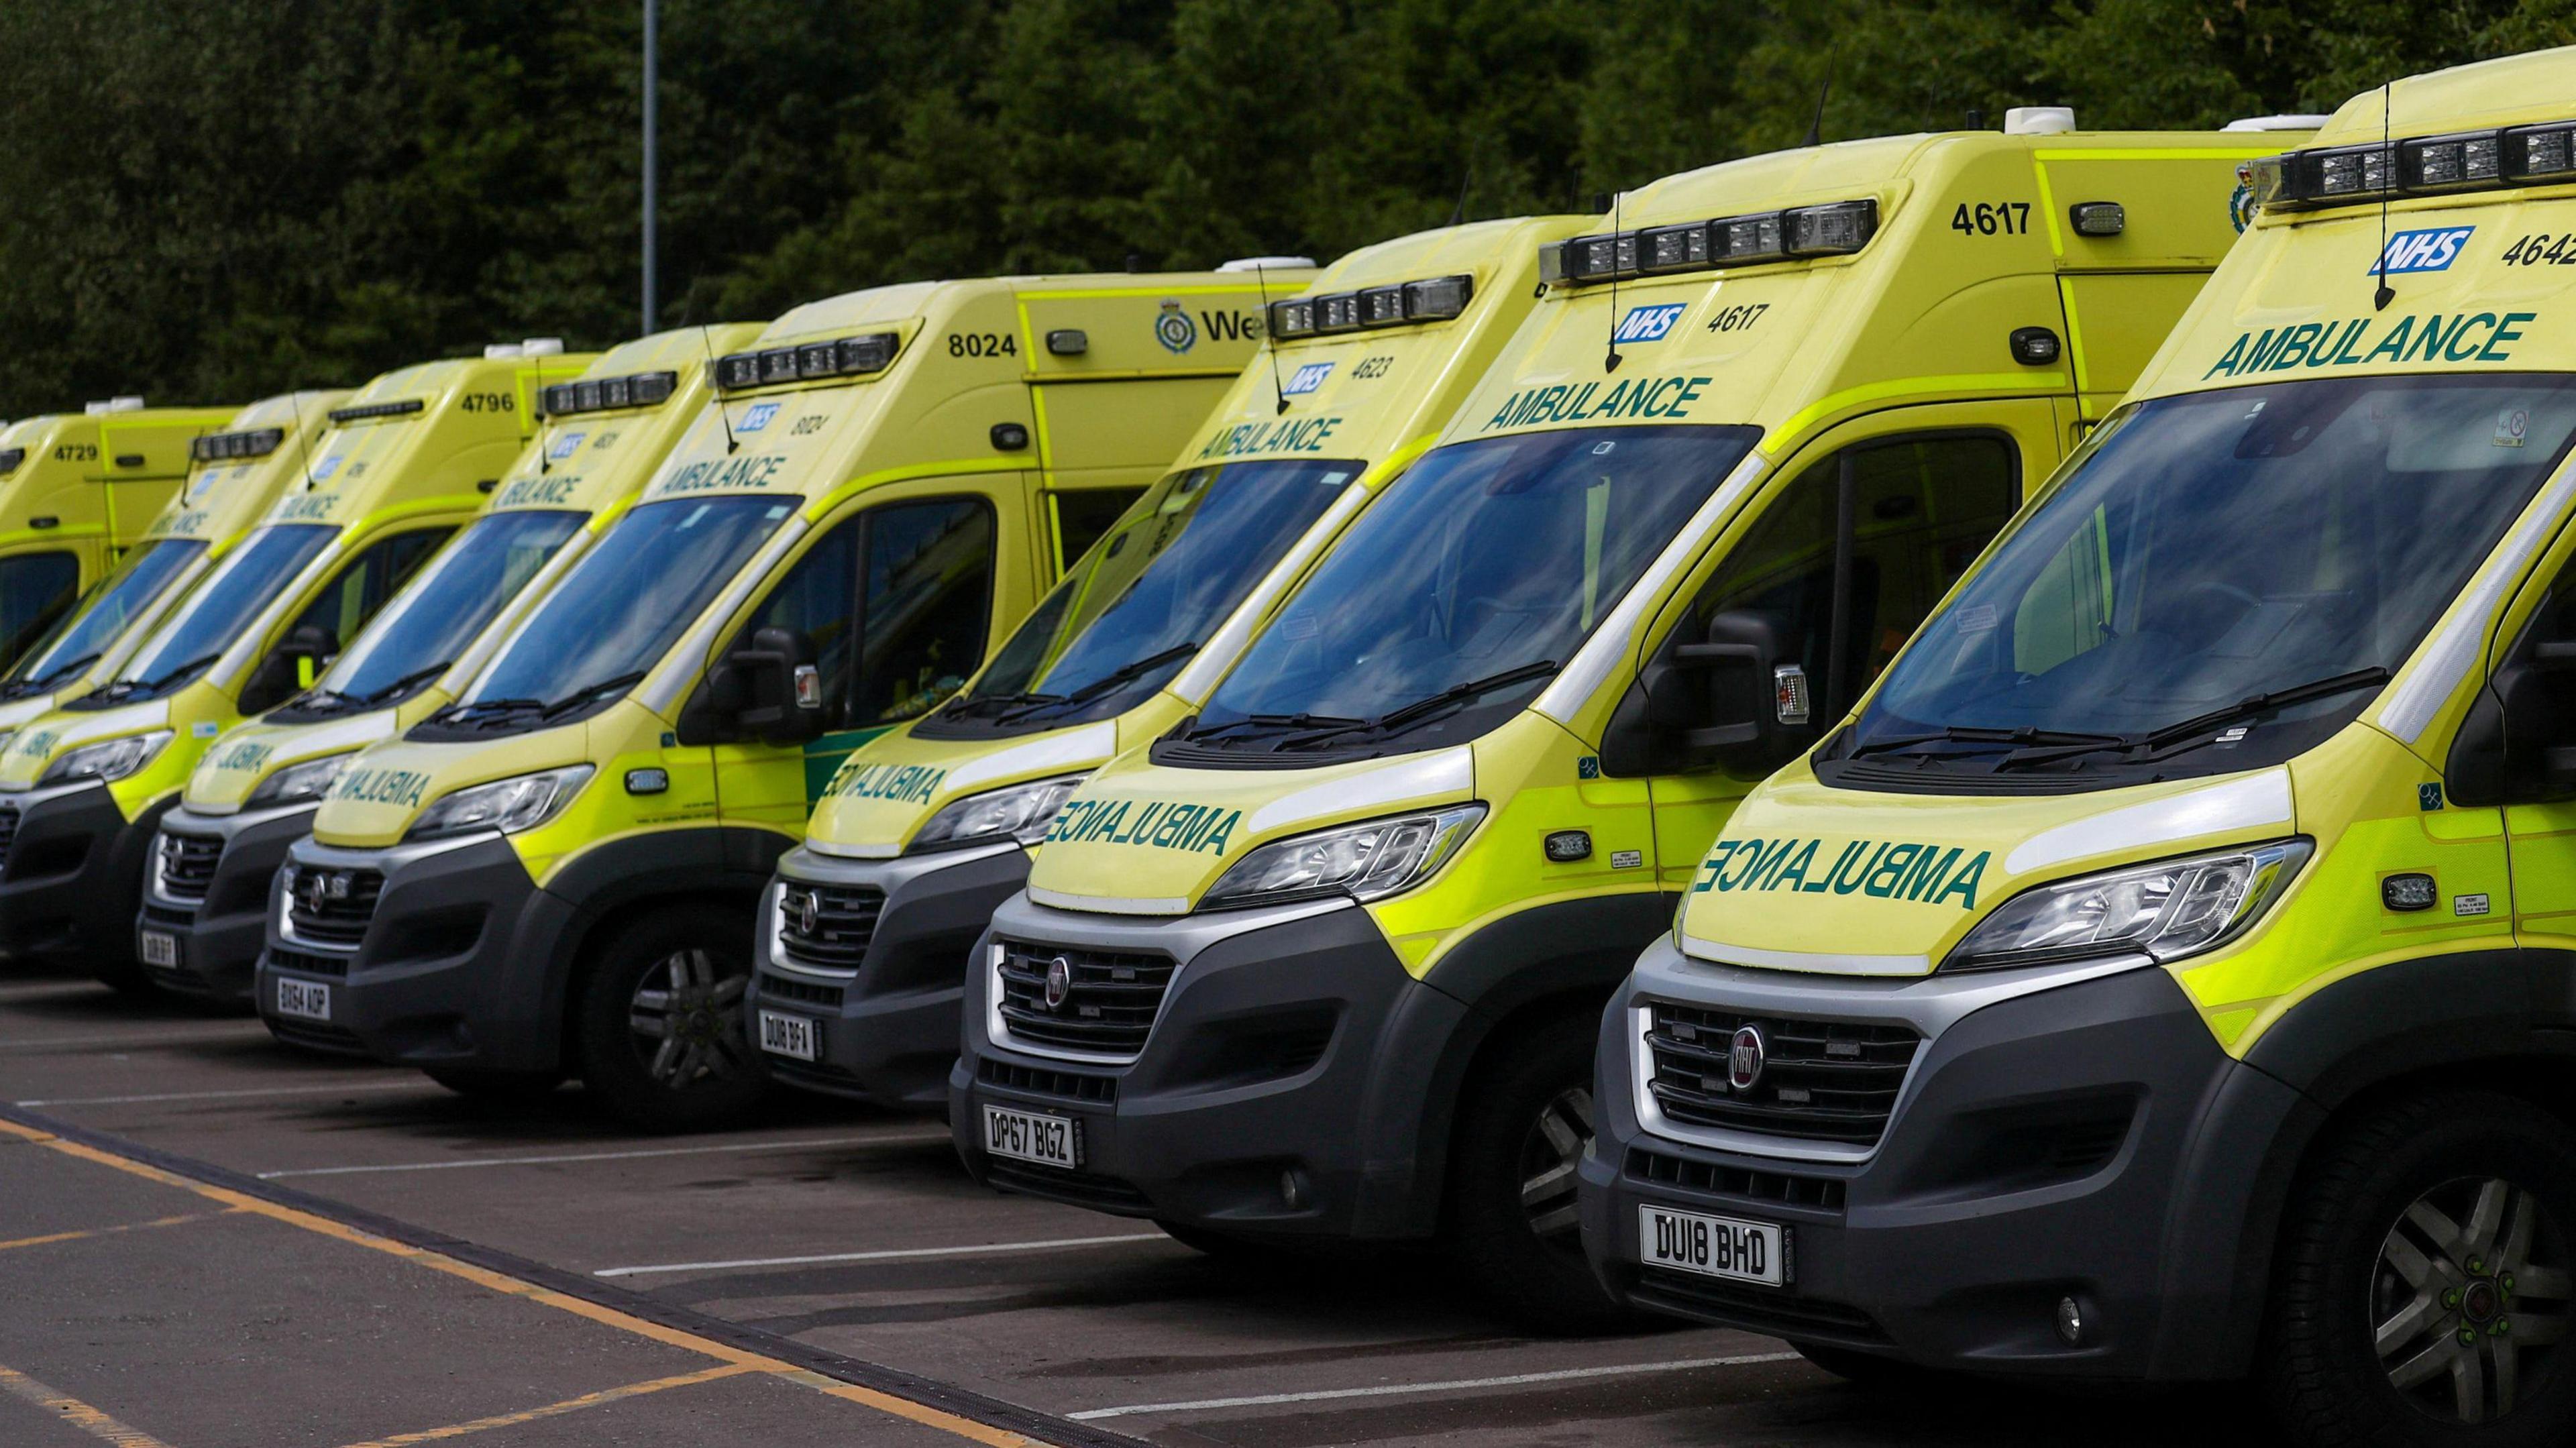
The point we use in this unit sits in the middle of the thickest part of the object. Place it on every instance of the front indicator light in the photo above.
(2166, 911)
(1367, 861)
(1022, 812)
(507, 805)
(112, 760)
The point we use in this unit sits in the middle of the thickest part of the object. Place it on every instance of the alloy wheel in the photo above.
(687, 1019)
(2470, 1298)
(1549, 1158)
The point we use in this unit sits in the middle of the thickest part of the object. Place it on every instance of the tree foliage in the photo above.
(208, 200)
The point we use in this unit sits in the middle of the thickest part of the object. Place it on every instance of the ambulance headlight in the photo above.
(1366, 861)
(112, 760)
(297, 782)
(507, 805)
(1835, 230)
(1436, 299)
(1022, 812)
(2166, 910)
(1292, 319)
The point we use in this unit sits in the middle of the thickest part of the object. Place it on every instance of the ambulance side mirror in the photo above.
(781, 687)
(2518, 743)
(1735, 698)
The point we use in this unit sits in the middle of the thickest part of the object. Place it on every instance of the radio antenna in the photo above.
(1611, 362)
(1458, 213)
(1816, 126)
(304, 441)
(2380, 299)
(1269, 343)
(707, 344)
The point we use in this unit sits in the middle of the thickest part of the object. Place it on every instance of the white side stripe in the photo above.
(892, 1139)
(902, 1254)
(1455, 1385)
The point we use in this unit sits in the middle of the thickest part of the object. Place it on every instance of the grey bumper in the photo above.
(216, 923)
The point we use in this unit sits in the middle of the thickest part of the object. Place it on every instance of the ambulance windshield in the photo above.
(80, 638)
(2222, 583)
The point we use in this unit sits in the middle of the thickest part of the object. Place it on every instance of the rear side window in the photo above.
(35, 590)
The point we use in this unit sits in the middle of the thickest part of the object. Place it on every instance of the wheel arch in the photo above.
(621, 882)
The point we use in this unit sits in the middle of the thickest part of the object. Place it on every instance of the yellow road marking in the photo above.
(556, 1410)
(51, 1237)
(77, 1413)
(506, 1285)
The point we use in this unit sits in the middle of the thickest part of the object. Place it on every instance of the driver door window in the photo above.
(365, 584)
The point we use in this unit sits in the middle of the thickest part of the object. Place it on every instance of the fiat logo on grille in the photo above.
(1744, 1058)
(806, 915)
(313, 885)
(1059, 982)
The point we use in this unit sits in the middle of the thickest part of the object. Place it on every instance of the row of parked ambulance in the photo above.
(1957, 748)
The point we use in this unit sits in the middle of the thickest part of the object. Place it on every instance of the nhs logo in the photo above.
(565, 446)
(1648, 324)
(1306, 379)
(757, 417)
(2424, 251)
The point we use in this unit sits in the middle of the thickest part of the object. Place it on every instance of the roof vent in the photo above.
(493, 352)
(1265, 263)
(2277, 123)
(541, 347)
(114, 404)
(2039, 120)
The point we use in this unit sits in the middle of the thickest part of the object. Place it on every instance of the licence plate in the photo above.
(1030, 1136)
(307, 999)
(786, 1035)
(1727, 1247)
(159, 948)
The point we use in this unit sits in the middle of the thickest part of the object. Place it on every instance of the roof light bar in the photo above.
(365, 410)
(600, 394)
(1835, 229)
(218, 447)
(2418, 166)
(1432, 299)
(806, 361)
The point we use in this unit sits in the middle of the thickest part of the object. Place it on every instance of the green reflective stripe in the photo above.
(823, 757)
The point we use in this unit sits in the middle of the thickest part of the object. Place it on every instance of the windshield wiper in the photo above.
(121, 688)
(589, 692)
(1299, 720)
(21, 688)
(406, 682)
(1979, 734)
(476, 710)
(1396, 721)
(2199, 728)
(1106, 683)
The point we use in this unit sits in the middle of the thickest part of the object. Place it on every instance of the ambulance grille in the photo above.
(1820, 1080)
(187, 864)
(327, 912)
(844, 920)
(1109, 1002)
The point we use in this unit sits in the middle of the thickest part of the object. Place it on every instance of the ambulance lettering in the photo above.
(1287, 435)
(382, 786)
(2432, 337)
(1201, 829)
(36, 744)
(1884, 870)
(1593, 401)
(239, 758)
(756, 471)
(908, 783)
(307, 506)
(528, 492)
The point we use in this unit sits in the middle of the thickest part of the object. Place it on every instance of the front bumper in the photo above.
(217, 923)
(1281, 1089)
(450, 969)
(71, 871)
(2060, 1132)
(885, 1030)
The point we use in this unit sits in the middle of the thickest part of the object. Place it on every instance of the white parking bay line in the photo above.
(1456, 1385)
(894, 1255)
(908, 1138)
(176, 1036)
(416, 1084)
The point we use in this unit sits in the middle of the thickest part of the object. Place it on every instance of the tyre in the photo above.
(1526, 1122)
(658, 1021)
(2422, 1293)
(505, 1086)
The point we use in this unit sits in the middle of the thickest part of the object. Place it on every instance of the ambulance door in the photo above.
(899, 598)
(2517, 744)
(366, 581)
(1855, 540)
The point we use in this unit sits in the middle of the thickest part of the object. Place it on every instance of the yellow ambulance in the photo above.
(77, 491)
(405, 460)
(863, 942)
(599, 438)
(2167, 972)
(1322, 961)
(557, 874)
(233, 477)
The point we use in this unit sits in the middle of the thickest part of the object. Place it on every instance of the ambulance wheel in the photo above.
(2427, 1280)
(1525, 1125)
(501, 1086)
(658, 1027)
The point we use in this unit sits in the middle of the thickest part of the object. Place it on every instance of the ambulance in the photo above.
(405, 460)
(233, 476)
(557, 874)
(1322, 961)
(598, 439)
(2169, 971)
(76, 492)
(863, 942)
